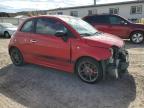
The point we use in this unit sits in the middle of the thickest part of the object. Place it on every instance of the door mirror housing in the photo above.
(62, 35)
(124, 22)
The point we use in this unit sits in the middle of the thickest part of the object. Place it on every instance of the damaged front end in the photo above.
(117, 65)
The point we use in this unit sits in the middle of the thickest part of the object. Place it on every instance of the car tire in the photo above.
(89, 70)
(16, 57)
(6, 34)
(137, 37)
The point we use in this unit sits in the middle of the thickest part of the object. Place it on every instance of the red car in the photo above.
(69, 44)
(118, 26)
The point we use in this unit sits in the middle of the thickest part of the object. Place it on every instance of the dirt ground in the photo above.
(33, 86)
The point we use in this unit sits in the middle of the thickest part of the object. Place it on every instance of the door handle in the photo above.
(33, 41)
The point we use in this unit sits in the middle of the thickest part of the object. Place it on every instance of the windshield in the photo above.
(8, 25)
(82, 27)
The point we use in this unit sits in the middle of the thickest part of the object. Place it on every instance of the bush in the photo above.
(140, 21)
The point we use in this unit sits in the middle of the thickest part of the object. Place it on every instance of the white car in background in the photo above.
(7, 29)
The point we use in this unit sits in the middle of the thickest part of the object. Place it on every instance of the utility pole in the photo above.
(94, 2)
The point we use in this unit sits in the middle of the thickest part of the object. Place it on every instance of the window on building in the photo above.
(60, 13)
(52, 13)
(114, 10)
(136, 9)
(74, 13)
(92, 12)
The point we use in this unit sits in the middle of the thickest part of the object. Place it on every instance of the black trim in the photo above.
(55, 58)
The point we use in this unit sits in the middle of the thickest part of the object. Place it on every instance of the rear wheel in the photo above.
(16, 57)
(6, 35)
(89, 70)
(137, 37)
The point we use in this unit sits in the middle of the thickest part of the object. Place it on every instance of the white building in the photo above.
(131, 10)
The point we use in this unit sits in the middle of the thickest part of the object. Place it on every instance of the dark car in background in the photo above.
(118, 26)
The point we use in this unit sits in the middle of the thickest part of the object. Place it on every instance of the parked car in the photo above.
(118, 26)
(70, 44)
(7, 29)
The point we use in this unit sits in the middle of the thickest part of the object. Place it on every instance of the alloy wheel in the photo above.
(88, 71)
(16, 57)
(137, 37)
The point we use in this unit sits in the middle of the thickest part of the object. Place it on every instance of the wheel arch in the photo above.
(5, 32)
(21, 55)
(82, 57)
(12, 47)
(135, 31)
(101, 75)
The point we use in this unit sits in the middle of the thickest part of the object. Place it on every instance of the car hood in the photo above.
(104, 40)
(12, 29)
(138, 25)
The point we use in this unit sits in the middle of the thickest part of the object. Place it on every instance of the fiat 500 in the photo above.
(69, 44)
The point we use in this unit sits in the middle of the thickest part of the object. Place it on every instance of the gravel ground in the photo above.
(33, 86)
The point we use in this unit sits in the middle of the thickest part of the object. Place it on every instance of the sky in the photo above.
(27, 5)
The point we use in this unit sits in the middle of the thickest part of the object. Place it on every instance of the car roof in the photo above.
(101, 15)
(54, 16)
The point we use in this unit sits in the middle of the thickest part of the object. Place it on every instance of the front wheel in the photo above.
(89, 70)
(16, 57)
(137, 37)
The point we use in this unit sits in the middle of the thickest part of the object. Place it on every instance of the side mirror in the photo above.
(124, 22)
(62, 35)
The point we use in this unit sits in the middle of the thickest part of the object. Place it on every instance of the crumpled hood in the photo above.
(104, 40)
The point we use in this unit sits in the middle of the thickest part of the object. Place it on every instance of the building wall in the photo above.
(124, 10)
(15, 21)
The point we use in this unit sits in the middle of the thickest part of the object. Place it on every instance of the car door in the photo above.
(23, 38)
(45, 46)
(118, 26)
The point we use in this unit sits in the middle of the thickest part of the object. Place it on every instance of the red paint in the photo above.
(52, 51)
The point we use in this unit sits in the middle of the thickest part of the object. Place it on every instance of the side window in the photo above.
(89, 19)
(101, 19)
(116, 20)
(49, 26)
(97, 19)
(27, 27)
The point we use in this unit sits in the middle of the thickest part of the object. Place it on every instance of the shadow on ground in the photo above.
(39, 87)
(130, 45)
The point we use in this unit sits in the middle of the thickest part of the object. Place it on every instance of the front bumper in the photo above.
(117, 64)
